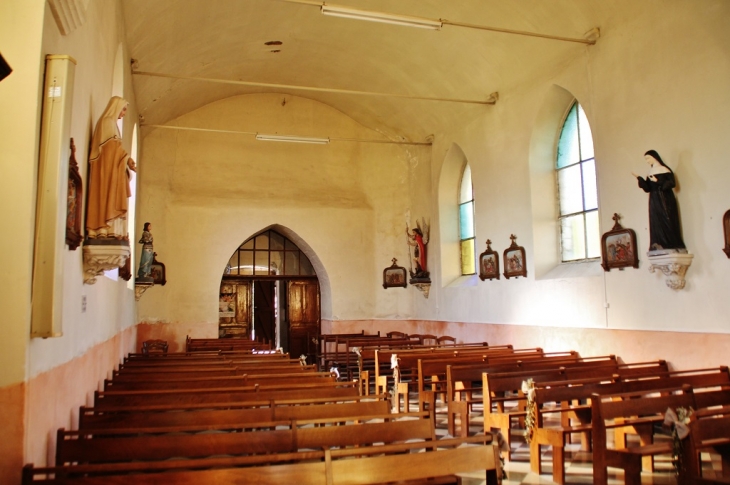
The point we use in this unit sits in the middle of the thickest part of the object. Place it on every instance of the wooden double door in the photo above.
(289, 309)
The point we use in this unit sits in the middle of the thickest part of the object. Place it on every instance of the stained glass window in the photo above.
(577, 189)
(466, 223)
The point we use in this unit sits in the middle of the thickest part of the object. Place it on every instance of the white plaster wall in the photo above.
(110, 304)
(206, 193)
(655, 80)
(19, 125)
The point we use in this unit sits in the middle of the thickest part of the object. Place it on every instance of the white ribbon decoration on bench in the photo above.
(335, 371)
(501, 442)
(680, 425)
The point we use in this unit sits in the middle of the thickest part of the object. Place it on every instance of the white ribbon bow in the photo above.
(303, 359)
(396, 372)
(501, 442)
(671, 418)
(528, 391)
(335, 371)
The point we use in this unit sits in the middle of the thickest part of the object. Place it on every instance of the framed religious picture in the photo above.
(394, 276)
(489, 263)
(73, 202)
(514, 260)
(618, 247)
(726, 229)
(157, 271)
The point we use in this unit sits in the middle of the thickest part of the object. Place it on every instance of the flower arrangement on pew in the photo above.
(679, 423)
(528, 389)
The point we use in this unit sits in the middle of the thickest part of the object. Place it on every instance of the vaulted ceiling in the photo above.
(238, 40)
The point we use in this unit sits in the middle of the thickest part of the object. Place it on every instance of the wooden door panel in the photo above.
(304, 318)
(243, 303)
(264, 311)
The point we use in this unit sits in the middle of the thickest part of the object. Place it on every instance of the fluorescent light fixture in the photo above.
(386, 18)
(293, 139)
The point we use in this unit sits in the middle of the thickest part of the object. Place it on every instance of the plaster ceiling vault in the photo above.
(226, 39)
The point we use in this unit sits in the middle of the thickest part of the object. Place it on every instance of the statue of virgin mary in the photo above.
(109, 166)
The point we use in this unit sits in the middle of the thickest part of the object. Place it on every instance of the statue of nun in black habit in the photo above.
(664, 228)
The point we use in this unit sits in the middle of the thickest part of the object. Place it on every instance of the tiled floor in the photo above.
(578, 466)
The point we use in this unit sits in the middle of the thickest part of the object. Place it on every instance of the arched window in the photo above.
(269, 254)
(466, 223)
(577, 189)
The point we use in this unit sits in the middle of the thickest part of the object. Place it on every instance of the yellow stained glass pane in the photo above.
(467, 257)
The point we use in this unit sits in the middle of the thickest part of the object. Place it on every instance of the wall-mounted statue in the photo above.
(109, 175)
(664, 227)
(148, 253)
(418, 240)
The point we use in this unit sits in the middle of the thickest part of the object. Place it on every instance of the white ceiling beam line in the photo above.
(288, 138)
(489, 101)
(588, 41)
(427, 23)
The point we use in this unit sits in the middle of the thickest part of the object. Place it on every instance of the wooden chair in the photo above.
(425, 339)
(154, 346)
(396, 334)
(445, 339)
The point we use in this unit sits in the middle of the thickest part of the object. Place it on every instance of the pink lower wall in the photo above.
(12, 417)
(54, 397)
(682, 350)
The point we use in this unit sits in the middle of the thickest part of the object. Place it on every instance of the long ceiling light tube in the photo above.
(293, 139)
(386, 18)
(427, 23)
(300, 139)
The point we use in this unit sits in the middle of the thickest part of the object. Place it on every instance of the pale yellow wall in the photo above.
(27, 34)
(19, 125)
(109, 304)
(206, 193)
(652, 82)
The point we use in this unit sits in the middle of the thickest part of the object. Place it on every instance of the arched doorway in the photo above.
(270, 291)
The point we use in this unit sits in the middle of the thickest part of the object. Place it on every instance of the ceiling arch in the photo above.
(279, 42)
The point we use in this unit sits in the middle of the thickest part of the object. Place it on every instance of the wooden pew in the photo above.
(142, 383)
(376, 361)
(212, 359)
(350, 356)
(639, 412)
(562, 394)
(156, 444)
(196, 344)
(327, 347)
(461, 379)
(205, 354)
(496, 386)
(181, 397)
(375, 465)
(381, 360)
(709, 431)
(169, 372)
(207, 362)
(91, 419)
(419, 370)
